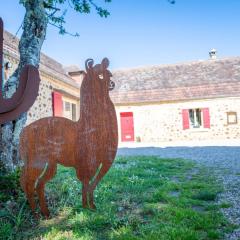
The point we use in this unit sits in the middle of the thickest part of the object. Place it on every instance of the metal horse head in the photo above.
(26, 93)
(101, 71)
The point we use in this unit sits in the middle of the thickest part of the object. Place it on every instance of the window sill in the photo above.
(197, 130)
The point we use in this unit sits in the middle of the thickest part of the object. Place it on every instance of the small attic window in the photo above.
(231, 118)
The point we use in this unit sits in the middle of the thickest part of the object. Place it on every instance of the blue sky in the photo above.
(142, 32)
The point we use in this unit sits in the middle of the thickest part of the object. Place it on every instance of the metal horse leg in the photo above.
(85, 187)
(28, 180)
(48, 175)
(100, 175)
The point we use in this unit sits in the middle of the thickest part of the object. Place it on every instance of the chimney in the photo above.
(77, 76)
(213, 54)
(75, 73)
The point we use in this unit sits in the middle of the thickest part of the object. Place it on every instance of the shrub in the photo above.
(9, 186)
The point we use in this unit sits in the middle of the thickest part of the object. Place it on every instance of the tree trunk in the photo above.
(34, 31)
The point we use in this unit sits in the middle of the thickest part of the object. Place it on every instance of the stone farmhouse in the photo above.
(195, 101)
(181, 102)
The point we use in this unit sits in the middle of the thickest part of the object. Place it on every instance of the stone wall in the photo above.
(163, 122)
(43, 104)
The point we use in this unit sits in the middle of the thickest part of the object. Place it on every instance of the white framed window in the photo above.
(69, 110)
(195, 118)
(67, 106)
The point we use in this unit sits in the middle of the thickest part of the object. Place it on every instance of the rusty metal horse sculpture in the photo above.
(26, 93)
(88, 145)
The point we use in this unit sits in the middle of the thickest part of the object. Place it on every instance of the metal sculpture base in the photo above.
(89, 145)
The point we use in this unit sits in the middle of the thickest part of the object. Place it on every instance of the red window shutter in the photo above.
(185, 118)
(206, 118)
(57, 104)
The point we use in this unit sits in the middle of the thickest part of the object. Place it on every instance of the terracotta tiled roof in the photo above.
(195, 80)
(186, 81)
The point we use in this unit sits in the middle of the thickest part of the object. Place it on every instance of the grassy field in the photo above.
(139, 198)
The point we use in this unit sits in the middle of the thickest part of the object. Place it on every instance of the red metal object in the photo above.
(127, 127)
(89, 145)
(1, 56)
(26, 93)
(57, 104)
(206, 118)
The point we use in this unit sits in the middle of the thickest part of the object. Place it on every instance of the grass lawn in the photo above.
(139, 198)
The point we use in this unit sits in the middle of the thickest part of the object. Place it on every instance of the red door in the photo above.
(127, 126)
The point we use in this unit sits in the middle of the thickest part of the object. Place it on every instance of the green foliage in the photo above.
(134, 201)
(57, 9)
(9, 186)
(81, 6)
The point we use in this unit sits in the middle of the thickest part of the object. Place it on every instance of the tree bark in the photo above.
(34, 31)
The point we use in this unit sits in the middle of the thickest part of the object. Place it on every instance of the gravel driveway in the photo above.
(224, 162)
